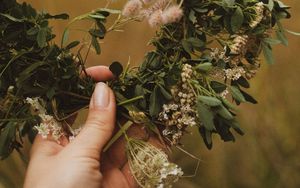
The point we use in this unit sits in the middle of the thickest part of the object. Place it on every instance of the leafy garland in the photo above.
(203, 58)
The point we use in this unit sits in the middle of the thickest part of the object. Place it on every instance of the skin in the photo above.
(81, 163)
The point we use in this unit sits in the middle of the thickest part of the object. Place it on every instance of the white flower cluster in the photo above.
(150, 166)
(238, 44)
(161, 12)
(224, 93)
(218, 54)
(138, 117)
(74, 132)
(259, 10)
(48, 125)
(180, 113)
(234, 73)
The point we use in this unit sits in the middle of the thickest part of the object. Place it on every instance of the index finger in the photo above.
(100, 73)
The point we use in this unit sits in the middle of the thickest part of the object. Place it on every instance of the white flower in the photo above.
(155, 19)
(172, 14)
(150, 166)
(132, 8)
(224, 93)
(48, 126)
(238, 44)
(234, 73)
(259, 10)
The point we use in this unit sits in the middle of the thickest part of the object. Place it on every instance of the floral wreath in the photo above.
(205, 53)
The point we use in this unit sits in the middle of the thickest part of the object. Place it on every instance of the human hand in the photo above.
(77, 164)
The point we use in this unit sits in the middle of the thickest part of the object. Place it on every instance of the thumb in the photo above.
(100, 122)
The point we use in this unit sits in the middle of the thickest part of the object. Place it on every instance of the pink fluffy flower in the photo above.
(155, 18)
(132, 7)
(172, 14)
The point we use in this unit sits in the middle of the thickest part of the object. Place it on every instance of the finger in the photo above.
(117, 152)
(112, 176)
(100, 73)
(100, 122)
(45, 147)
(129, 177)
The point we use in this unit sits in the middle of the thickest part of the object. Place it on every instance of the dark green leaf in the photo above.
(154, 103)
(267, 50)
(217, 86)
(248, 97)
(165, 93)
(236, 94)
(59, 16)
(223, 112)
(116, 68)
(237, 19)
(206, 116)
(32, 31)
(42, 37)
(72, 45)
(206, 136)
(97, 33)
(242, 81)
(96, 45)
(204, 67)
(210, 101)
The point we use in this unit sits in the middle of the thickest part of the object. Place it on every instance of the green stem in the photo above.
(130, 100)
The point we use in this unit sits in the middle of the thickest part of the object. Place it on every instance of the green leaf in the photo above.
(228, 104)
(217, 86)
(229, 2)
(248, 97)
(206, 136)
(29, 71)
(58, 16)
(187, 46)
(267, 51)
(96, 45)
(210, 101)
(32, 31)
(223, 112)
(281, 35)
(72, 45)
(270, 5)
(97, 16)
(165, 93)
(112, 11)
(204, 67)
(154, 103)
(242, 81)
(97, 33)
(235, 125)
(237, 19)
(272, 41)
(42, 37)
(195, 42)
(206, 116)
(116, 68)
(65, 37)
(7, 135)
(236, 94)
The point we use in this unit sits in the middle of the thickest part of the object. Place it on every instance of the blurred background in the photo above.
(267, 156)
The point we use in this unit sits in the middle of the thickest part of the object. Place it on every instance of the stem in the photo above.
(130, 100)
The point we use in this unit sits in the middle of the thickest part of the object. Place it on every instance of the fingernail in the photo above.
(101, 96)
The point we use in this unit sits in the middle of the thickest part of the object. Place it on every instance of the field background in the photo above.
(267, 156)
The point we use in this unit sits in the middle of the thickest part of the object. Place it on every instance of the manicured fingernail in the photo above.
(101, 96)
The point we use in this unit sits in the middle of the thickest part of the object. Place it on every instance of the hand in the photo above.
(77, 164)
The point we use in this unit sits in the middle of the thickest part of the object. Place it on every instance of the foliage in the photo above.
(31, 65)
